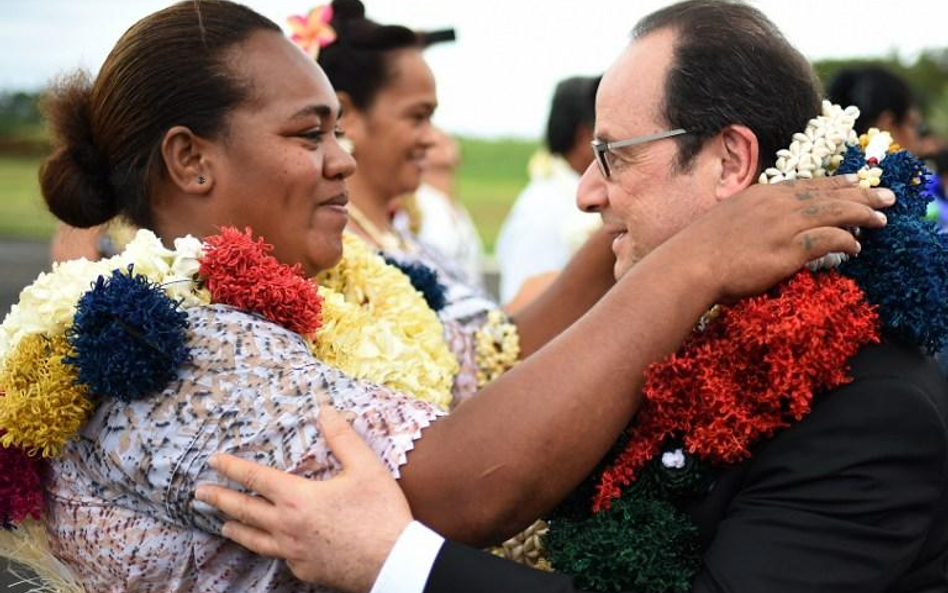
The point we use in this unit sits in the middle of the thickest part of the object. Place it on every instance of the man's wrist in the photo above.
(409, 562)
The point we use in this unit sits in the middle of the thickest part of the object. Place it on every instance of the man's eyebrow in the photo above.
(601, 136)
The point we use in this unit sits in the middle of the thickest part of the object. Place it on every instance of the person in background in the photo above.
(100, 241)
(72, 243)
(884, 99)
(388, 96)
(544, 227)
(435, 215)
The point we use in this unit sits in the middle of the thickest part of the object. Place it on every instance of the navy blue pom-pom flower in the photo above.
(905, 175)
(129, 337)
(425, 281)
(853, 160)
(903, 269)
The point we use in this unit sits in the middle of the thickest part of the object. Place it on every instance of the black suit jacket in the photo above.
(853, 498)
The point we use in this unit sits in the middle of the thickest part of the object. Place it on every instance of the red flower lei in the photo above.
(240, 272)
(749, 373)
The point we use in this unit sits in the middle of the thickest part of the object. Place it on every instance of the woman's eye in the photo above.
(312, 135)
(420, 118)
(339, 133)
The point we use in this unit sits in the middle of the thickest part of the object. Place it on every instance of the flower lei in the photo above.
(116, 328)
(376, 325)
(496, 347)
(621, 528)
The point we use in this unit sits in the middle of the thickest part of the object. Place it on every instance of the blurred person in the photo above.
(388, 96)
(72, 243)
(93, 243)
(437, 217)
(545, 227)
(938, 185)
(884, 99)
(204, 116)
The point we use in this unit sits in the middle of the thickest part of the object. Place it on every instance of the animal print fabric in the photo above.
(121, 510)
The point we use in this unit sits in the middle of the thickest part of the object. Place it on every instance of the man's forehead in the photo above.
(632, 89)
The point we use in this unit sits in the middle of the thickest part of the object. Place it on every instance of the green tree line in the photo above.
(21, 121)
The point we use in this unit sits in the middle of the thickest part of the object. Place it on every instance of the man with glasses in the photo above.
(852, 498)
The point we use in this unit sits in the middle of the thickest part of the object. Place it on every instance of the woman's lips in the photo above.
(337, 203)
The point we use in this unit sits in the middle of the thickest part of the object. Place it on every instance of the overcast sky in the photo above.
(497, 78)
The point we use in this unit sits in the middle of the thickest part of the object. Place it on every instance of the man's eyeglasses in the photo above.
(601, 149)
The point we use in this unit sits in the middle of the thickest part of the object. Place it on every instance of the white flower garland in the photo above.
(819, 150)
(48, 304)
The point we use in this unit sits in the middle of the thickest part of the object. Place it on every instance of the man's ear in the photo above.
(187, 160)
(739, 154)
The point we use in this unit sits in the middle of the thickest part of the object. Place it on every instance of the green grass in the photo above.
(490, 177)
(22, 211)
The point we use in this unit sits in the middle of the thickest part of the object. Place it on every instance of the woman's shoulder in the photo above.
(226, 333)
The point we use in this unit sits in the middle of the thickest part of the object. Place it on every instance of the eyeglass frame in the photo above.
(600, 148)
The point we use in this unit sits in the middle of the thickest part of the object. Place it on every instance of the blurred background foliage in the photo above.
(492, 172)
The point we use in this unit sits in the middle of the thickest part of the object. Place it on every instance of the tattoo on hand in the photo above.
(805, 195)
(808, 243)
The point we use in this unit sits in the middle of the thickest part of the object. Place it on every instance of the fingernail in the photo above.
(858, 247)
(852, 178)
(886, 196)
(212, 461)
(882, 218)
(200, 494)
(225, 529)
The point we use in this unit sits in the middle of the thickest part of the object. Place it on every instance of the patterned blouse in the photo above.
(121, 507)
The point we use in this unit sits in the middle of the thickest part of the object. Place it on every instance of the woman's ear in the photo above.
(187, 160)
(739, 154)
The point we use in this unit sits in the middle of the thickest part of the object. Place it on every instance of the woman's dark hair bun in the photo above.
(347, 10)
(75, 178)
(358, 62)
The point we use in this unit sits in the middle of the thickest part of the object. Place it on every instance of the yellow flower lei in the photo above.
(377, 327)
(497, 347)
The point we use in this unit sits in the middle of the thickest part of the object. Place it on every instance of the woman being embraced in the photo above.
(202, 117)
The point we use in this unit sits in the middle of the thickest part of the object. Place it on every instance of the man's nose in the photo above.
(591, 194)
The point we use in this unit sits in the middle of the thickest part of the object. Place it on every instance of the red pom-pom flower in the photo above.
(751, 372)
(239, 271)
